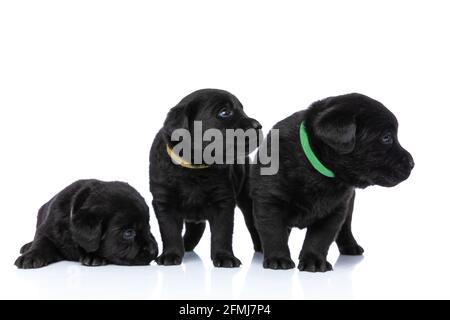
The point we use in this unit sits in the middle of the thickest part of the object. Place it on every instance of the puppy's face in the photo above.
(113, 222)
(215, 109)
(387, 163)
(127, 239)
(363, 133)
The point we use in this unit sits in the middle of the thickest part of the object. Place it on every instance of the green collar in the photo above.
(315, 162)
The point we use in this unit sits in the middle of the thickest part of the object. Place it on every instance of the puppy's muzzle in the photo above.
(254, 124)
(247, 123)
(407, 162)
(403, 168)
(410, 161)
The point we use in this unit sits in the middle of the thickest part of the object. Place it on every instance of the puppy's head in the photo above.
(215, 109)
(112, 220)
(357, 137)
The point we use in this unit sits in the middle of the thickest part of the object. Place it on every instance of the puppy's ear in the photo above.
(85, 225)
(336, 128)
(178, 118)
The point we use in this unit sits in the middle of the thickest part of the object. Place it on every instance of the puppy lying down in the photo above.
(93, 222)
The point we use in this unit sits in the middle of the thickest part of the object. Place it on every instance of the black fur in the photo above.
(192, 196)
(345, 133)
(86, 222)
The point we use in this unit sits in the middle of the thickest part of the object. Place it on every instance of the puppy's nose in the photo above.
(255, 124)
(411, 163)
(409, 159)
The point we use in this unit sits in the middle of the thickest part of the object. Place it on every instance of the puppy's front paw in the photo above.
(282, 263)
(30, 260)
(226, 261)
(312, 262)
(168, 259)
(351, 250)
(92, 261)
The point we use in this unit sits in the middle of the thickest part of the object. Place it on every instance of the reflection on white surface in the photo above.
(258, 285)
(335, 284)
(194, 279)
(68, 280)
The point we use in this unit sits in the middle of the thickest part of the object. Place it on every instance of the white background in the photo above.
(85, 85)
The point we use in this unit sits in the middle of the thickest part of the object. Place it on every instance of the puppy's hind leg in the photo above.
(193, 234)
(25, 247)
(346, 242)
(239, 176)
(245, 204)
(40, 217)
(42, 252)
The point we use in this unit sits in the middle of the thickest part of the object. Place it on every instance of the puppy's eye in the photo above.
(225, 113)
(129, 234)
(387, 138)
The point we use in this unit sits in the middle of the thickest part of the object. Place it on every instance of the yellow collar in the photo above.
(181, 162)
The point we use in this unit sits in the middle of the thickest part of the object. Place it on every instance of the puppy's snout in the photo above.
(254, 124)
(408, 159)
(411, 162)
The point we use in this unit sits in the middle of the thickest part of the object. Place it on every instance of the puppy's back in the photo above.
(60, 203)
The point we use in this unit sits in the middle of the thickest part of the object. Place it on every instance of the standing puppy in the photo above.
(188, 193)
(93, 222)
(336, 145)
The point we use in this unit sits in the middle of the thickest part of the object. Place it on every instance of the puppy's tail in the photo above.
(193, 234)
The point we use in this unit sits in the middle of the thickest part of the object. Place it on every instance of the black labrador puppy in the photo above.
(93, 222)
(336, 145)
(188, 193)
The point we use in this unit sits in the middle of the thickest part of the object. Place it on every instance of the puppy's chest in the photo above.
(200, 196)
(306, 209)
